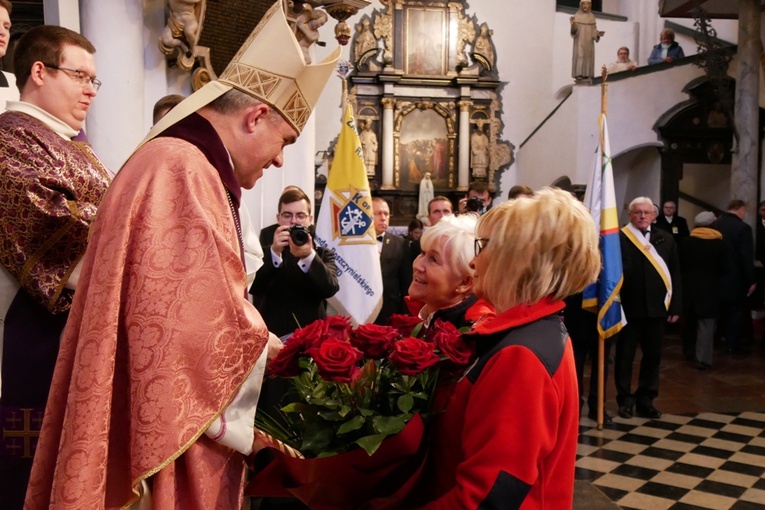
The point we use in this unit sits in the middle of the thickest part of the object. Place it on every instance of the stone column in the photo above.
(387, 153)
(463, 168)
(115, 121)
(744, 170)
(64, 13)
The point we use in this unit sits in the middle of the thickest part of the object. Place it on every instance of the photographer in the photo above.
(478, 198)
(297, 278)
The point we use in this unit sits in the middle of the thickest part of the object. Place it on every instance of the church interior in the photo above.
(469, 90)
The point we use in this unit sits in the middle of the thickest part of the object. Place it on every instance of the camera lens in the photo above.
(299, 235)
(474, 204)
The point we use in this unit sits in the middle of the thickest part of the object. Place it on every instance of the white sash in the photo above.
(649, 250)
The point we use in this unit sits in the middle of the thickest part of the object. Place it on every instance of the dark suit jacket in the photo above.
(759, 253)
(267, 235)
(643, 289)
(285, 291)
(703, 262)
(396, 268)
(738, 238)
(678, 223)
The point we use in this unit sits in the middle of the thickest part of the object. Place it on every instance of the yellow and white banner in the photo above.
(345, 227)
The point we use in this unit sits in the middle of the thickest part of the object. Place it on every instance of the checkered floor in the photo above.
(704, 461)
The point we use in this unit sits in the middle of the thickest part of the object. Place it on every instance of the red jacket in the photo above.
(508, 437)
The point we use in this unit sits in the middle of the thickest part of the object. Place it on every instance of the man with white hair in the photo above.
(650, 298)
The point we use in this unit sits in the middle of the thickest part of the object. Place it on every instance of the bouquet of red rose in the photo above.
(355, 409)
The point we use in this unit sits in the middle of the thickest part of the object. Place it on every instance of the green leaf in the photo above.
(371, 443)
(405, 402)
(330, 415)
(354, 423)
(297, 407)
(390, 425)
(316, 439)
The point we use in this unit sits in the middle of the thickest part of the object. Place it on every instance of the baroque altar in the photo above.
(425, 90)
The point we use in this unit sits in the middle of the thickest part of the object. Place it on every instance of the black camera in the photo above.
(299, 235)
(474, 204)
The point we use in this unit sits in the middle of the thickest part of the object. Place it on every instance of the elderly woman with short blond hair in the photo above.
(508, 436)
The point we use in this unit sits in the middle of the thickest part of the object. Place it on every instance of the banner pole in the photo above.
(601, 338)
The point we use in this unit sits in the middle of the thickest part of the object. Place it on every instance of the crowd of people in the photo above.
(139, 336)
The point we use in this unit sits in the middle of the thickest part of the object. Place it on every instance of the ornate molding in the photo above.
(465, 30)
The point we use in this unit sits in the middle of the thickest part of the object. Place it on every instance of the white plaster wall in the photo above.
(710, 183)
(573, 131)
(636, 174)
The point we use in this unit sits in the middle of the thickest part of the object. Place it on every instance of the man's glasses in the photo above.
(480, 244)
(287, 216)
(80, 77)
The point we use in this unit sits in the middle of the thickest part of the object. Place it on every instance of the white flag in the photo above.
(345, 226)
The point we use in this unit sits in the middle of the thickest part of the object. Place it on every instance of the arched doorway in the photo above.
(697, 152)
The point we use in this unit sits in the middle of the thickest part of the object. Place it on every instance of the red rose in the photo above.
(375, 341)
(312, 335)
(336, 360)
(338, 326)
(405, 324)
(285, 364)
(450, 342)
(412, 356)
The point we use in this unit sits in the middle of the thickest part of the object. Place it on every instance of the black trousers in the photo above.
(648, 333)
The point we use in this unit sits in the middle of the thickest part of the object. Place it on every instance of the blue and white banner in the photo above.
(602, 297)
(345, 226)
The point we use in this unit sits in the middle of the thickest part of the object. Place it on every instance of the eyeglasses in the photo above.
(287, 216)
(480, 244)
(80, 77)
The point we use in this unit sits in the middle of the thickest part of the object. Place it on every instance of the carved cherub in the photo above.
(307, 29)
(182, 29)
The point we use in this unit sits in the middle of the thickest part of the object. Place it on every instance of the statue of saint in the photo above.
(426, 195)
(307, 29)
(585, 35)
(365, 39)
(483, 44)
(368, 140)
(479, 152)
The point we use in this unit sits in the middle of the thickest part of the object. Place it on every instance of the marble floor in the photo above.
(706, 452)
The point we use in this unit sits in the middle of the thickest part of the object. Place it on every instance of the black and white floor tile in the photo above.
(706, 461)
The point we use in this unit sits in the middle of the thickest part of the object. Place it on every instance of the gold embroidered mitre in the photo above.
(270, 67)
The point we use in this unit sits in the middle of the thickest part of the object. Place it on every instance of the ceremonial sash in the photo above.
(649, 250)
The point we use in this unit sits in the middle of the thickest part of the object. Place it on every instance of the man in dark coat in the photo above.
(651, 297)
(670, 222)
(739, 281)
(395, 263)
(703, 262)
(295, 281)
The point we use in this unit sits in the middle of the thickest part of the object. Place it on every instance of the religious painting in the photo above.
(423, 147)
(426, 42)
